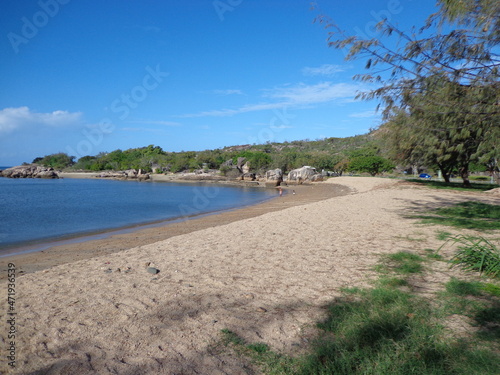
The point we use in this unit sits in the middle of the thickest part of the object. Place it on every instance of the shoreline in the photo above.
(109, 242)
(39, 245)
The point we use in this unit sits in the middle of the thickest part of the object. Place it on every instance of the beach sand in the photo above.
(265, 273)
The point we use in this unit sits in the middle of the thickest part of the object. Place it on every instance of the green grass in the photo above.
(465, 215)
(491, 289)
(480, 178)
(455, 185)
(489, 320)
(381, 331)
(478, 301)
(402, 262)
(442, 235)
(463, 288)
(433, 254)
(229, 337)
(393, 282)
(387, 330)
(472, 209)
(477, 254)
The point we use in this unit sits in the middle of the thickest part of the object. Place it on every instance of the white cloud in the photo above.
(318, 93)
(292, 96)
(323, 70)
(12, 119)
(231, 112)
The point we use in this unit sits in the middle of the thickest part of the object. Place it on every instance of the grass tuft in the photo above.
(443, 236)
(491, 289)
(433, 254)
(477, 254)
(393, 282)
(405, 263)
(258, 347)
(229, 337)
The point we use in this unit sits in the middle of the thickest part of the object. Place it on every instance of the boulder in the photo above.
(112, 174)
(239, 164)
(275, 175)
(246, 168)
(131, 173)
(47, 174)
(30, 171)
(249, 177)
(306, 173)
(317, 177)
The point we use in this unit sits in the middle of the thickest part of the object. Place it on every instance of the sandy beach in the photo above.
(264, 272)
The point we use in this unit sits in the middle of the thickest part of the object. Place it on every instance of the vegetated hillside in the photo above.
(333, 154)
(367, 153)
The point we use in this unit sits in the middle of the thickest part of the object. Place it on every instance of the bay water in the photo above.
(34, 210)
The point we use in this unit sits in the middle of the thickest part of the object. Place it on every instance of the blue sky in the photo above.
(84, 77)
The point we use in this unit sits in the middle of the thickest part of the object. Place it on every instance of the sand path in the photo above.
(266, 278)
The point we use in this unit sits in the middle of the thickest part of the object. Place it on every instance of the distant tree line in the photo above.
(368, 153)
(356, 154)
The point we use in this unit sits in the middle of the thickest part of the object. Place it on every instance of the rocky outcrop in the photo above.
(275, 176)
(129, 174)
(246, 168)
(240, 163)
(249, 177)
(304, 174)
(29, 171)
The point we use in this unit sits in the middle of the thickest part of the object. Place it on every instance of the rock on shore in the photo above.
(303, 174)
(29, 171)
(125, 175)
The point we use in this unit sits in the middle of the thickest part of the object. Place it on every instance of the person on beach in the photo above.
(280, 189)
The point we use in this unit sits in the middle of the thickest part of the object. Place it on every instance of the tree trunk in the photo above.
(446, 175)
(464, 174)
(414, 169)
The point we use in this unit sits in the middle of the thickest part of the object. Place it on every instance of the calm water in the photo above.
(35, 210)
